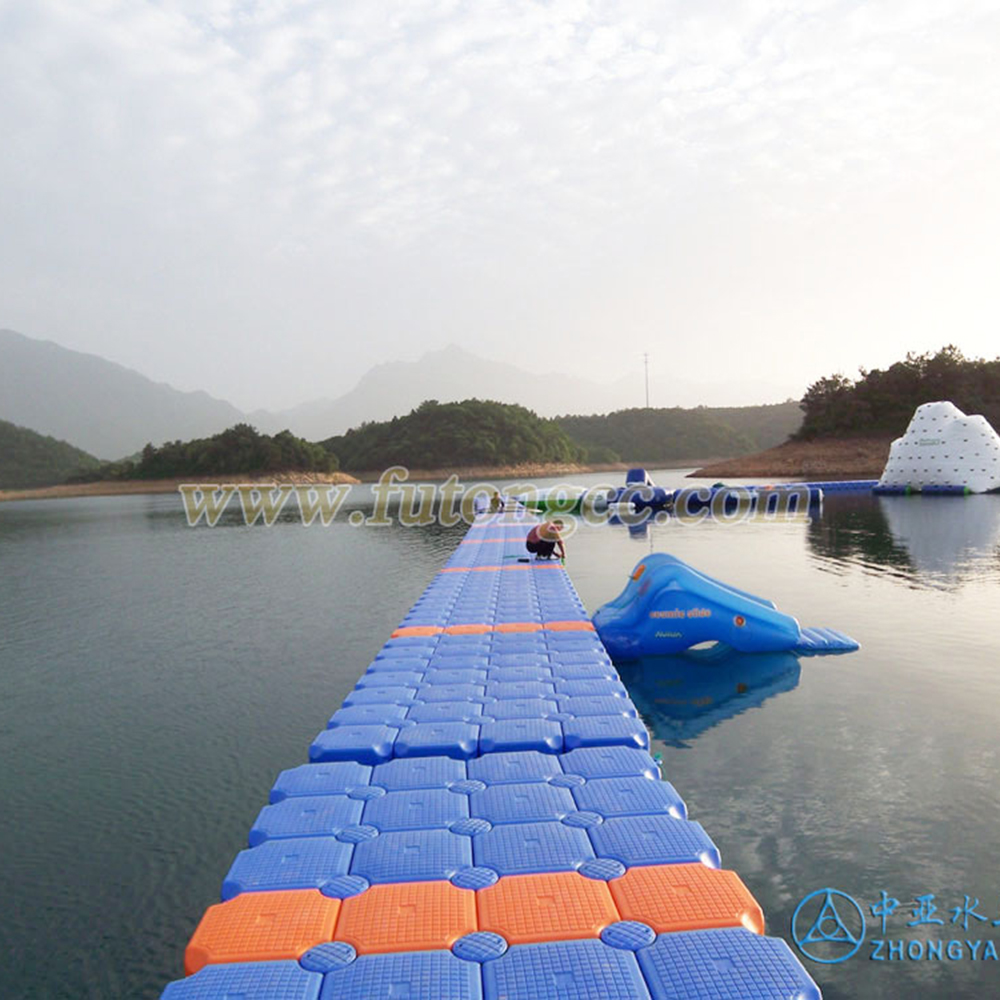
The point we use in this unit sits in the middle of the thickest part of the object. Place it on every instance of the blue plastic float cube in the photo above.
(450, 692)
(398, 665)
(523, 848)
(517, 643)
(589, 655)
(588, 687)
(412, 856)
(418, 772)
(302, 863)
(366, 744)
(247, 981)
(506, 659)
(522, 803)
(478, 662)
(371, 714)
(733, 962)
(597, 705)
(609, 762)
(320, 779)
(468, 647)
(416, 809)
(523, 708)
(420, 975)
(632, 796)
(584, 672)
(398, 661)
(382, 694)
(306, 816)
(453, 675)
(567, 970)
(506, 768)
(445, 711)
(605, 730)
(520, 689)
(418, 644)
(511, 675)
(520, 734)
(654, 840)
(431, 739)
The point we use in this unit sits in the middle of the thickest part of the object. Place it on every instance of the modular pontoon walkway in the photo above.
(482, 819)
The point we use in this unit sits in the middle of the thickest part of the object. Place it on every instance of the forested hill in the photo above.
(432, 436)
(482, 432)
(672, 435)
(882, 402)
(766, 425)
(241, 449)
(452, 435)
(28, 459)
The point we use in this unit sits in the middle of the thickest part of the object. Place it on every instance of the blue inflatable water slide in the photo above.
(668, 606)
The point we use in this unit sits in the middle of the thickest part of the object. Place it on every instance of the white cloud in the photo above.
(324, 174)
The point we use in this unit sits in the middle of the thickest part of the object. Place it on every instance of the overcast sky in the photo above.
(265, 199)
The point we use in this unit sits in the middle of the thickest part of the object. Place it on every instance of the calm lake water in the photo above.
(155, 679)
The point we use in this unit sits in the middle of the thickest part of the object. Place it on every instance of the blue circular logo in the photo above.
(828, 926)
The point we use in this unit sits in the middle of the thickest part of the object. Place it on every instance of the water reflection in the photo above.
(855, 529)
(938, 539)
(682, 696)
(945, 536)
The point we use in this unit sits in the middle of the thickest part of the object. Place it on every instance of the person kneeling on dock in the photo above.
(545, 538)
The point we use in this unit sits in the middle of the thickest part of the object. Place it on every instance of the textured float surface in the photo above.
(481, 820)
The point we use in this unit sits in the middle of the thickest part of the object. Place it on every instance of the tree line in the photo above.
(882, 402)
(660, 436)
(240, 449)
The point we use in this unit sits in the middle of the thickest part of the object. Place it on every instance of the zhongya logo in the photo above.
(828, 926)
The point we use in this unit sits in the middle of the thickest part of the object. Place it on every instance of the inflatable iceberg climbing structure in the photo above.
(943, 451)
(668, 606)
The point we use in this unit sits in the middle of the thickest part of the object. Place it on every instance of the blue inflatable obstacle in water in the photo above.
(668, 606)
(641, 493)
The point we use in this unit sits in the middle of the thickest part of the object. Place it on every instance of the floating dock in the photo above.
(482, 820)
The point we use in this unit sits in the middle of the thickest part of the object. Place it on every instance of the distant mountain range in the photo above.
(112, 411)
(102, 407)
(453, 373)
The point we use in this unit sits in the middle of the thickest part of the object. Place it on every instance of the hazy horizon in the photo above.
(263, 201)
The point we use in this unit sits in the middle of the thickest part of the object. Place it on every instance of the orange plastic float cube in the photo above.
(260, 927)
(407, 916)
(417, 630)
(574, 626)
(686, 898)
(467, 629)
(517, 627)
(552, 907)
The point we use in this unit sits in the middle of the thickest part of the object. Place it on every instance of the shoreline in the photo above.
(536, 469)
(129, 487)
(824, 458)
(529, 470)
